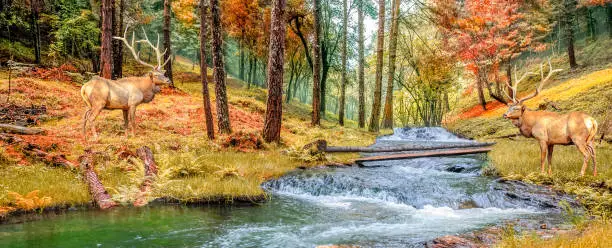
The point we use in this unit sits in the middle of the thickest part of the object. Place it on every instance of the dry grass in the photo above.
(192, 168)
(596, 235)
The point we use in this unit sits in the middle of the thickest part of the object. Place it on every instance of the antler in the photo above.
(136, 55)
(543, 80)
(514, 86)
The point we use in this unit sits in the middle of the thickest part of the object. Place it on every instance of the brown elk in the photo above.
(551, 128)
(125, 93)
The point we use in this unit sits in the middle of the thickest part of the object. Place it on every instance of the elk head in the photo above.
(157, 73)
(516, 108)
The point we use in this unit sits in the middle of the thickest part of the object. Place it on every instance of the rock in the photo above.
(450, 241)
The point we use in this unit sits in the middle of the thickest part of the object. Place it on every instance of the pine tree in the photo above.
(223, 120)
(274, 78)
(210, 129)
(388, 113)
(375, 117)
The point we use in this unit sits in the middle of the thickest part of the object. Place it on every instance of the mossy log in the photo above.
(8, 128)
(96, 189)
(150, 167)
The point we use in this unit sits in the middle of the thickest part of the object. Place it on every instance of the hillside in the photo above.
(193, 168)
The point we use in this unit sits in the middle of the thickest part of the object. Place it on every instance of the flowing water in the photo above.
(383, 204)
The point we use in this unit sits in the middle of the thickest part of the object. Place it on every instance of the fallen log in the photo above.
(150, 167)
(96, 189)
(36, 152)
(8, 128)
(424, 154)
(404, 148)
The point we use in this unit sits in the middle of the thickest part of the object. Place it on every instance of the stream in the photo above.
(400, 203)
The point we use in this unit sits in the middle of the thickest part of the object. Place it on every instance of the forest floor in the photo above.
(587, 89)
(192, 167)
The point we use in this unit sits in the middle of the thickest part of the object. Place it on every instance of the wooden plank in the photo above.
(425, 154)
(404, 148)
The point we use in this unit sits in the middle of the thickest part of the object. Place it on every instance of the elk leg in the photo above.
(92, 118)
(133, 120)
(126, 122)
(585, 154)
(543, 149)
(550, 153)
(85, 119)
(591, 149)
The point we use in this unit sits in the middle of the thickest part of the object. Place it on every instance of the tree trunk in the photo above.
(361, 117)
(167, 45)
(150, 169)
(223, 120)
(388, 113)
(481, 96)
(609, 21)
(276, 52)
(375, 118)
(210, 129)
(35, 5)
(117, 44)
(241, 47)
(106, 59)
(316, 70)
(343, 79)
(96, 189)
(569, 11)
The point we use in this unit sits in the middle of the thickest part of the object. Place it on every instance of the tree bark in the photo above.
(8, 128)
(117, 44)
(167, 45)
(375, 117)
(150, 169)
(35, 6)
(343, 79)
(316, 70)
(361, 117)
(569, 12)
(388, 113)
(96, 189)
(210, 129)
(609, 20)
(106, 59)
(481, 96)
(274, 79)
(223, 120)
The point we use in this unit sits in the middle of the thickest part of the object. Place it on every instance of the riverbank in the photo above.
(192, 169)
(518, 158)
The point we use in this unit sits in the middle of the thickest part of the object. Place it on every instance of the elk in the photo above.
(126, 93)
(549, 128)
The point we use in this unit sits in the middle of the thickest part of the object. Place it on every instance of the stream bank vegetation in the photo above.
(451, 62)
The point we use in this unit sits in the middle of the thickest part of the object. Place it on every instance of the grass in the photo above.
(595, 235)
(192, 168)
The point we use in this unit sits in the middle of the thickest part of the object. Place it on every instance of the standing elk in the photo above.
(550, 128)
(126, 93)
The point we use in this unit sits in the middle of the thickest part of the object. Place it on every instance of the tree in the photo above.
(167, 45)
(360, 77)
(343, 69)
(486, 36)
(375, 117)
(223, 120)
(210, 130)
(117, 44)
(106, 59)
(388, 113)
(567, 17)
(316, 68)
(35, 6)
(274, 78)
